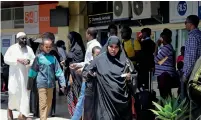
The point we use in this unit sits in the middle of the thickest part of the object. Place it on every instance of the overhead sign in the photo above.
(37, 19)
(180, 10)
(44, 18)
(31, 23)
(99, 20)
(199, 9)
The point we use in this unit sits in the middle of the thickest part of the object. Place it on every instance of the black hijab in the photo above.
(121, 56)
(112, 100)
(76, 41)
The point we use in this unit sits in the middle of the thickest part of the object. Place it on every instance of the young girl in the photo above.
(45, 68)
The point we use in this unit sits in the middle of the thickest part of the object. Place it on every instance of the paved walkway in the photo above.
(61, 109)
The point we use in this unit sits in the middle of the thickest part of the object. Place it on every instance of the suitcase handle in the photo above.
(150, 81)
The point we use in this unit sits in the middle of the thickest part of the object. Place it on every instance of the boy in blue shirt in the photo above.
(46, 69)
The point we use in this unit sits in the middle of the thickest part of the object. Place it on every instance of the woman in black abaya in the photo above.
(75, 55)
(113, 90)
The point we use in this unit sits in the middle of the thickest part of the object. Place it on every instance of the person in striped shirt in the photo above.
(165, 63)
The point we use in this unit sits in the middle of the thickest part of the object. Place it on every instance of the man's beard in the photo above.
(22, 44)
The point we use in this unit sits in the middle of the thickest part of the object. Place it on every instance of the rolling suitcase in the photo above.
(143, 102)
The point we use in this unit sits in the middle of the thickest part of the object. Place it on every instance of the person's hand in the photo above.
(20, 61)
(92, 73)
(73, 66)
(62, 62)
(128, 76)
(26, 61)
(159, 42)
(71, 80)
(79, 71)
(139, 37)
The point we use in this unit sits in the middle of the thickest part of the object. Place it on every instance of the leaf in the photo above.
(157, 106)
(181, 104)
(162, 118)
(162, 100)
(164, 114)
(169, 114)
(168, 108)
(176, 111)
(155, 112)
(185, 110)
(183, 117)
(174, 116)
(176, 103)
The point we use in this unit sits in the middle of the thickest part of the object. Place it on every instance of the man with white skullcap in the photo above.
(19, 57)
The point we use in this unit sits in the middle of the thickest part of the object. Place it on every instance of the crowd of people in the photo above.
(101, 82)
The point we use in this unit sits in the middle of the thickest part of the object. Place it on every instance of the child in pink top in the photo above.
(181, 57)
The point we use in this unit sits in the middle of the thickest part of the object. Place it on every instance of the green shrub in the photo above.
(171, 109)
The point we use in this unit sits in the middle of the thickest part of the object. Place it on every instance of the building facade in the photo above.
(34, 19)
(140, 14)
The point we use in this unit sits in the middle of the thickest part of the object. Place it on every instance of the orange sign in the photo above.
(31, 17)
(44, 18)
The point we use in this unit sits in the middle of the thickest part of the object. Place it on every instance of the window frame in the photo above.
(90, 9)
(14, 13)
(11, 16)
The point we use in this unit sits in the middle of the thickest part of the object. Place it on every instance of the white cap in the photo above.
(20, 34)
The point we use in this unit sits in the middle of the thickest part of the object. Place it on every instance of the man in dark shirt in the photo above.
(145, 58)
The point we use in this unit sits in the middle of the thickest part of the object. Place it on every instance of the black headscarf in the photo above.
(76, 41)
(112, 100)
(121, 56)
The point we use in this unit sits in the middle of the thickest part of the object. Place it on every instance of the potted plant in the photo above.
(171, 109)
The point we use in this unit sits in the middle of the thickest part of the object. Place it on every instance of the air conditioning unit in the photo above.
(144, 9)
(121, 10)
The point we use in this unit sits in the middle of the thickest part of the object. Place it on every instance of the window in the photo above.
(18, 17)
(99, 7)
(19, 23)
(6, 14)
(18, 13)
